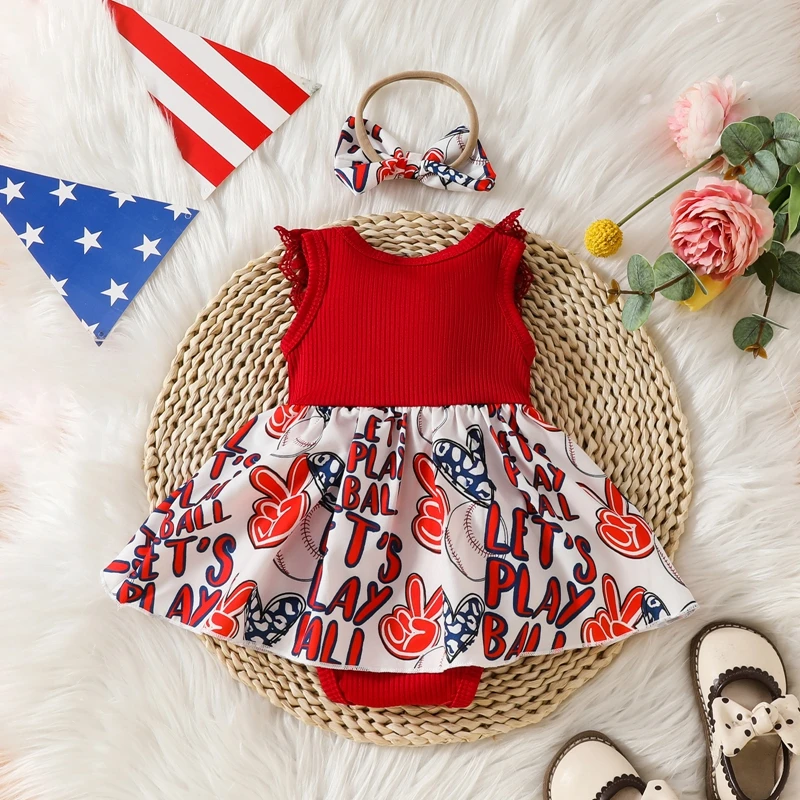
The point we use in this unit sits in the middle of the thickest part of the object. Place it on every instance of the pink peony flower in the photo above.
(702, 112)
(719, 228)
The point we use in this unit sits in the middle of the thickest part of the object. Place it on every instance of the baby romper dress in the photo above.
(407, 518)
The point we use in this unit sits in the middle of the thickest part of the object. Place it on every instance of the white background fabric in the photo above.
(573, 99)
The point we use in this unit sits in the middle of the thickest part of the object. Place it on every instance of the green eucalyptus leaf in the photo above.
(776, 248)
(697, 281)
(760, 263)
(789, 276)
(787, 137)
(793, 209)
(778, 196)
(640, 274)
(764, 125)
(682, 290)
(740, 141)
(761, 173)
(745, 332)
(636, 311)
(781, 232)
(767, 268)
(667, 268)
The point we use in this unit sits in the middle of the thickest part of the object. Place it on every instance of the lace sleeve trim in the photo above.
(293, 264)
(524, 276)
(510, 225)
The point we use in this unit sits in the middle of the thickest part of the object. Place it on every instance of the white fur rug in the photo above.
(98, 702)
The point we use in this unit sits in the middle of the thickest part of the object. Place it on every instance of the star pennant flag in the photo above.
(222, 104)
(98, 247)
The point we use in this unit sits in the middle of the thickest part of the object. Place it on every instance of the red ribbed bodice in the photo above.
(378, 329)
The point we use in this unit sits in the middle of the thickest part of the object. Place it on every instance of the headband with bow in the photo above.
(367, 155)
(431, 168)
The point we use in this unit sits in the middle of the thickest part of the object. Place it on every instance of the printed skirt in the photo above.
(401, 539)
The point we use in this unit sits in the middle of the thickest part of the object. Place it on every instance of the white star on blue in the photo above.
(65, 239)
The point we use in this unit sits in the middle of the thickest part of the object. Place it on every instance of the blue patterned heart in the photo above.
(461, 625)
(327, 470)
(269, 625)
(465, 467)
(652, 608)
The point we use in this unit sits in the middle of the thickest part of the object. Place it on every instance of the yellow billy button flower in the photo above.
(603, 238)
(714, 287)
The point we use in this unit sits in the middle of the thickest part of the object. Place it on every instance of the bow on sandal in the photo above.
(737, 726)
(752, 724)
(590, 767)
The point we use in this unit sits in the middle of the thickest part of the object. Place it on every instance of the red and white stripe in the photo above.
(222, 103)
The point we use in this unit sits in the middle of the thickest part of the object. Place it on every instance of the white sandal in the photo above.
(752, 725)
(590, 767)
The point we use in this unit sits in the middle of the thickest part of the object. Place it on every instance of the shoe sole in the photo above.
(711, 790)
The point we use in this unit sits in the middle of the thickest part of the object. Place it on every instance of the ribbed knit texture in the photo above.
(378, 329)
(454, 687)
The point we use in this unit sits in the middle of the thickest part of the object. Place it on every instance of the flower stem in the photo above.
(669, 186)
(655, 291)
(769, 299)
(764, 314)
(671, 282)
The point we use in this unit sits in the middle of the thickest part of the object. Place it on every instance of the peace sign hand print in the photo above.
(413, 629)
(618, 527)
(432, 508)
(223, 620)
(285, 503)
(619, 617)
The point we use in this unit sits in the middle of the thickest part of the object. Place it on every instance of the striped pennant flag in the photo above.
(222, 104)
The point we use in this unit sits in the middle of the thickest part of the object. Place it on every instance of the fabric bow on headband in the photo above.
(431, 168)
(367, 155)
(736, 726)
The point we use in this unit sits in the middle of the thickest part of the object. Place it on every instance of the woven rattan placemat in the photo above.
(605, 387)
